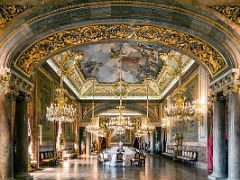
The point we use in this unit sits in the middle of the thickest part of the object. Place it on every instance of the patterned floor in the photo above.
(88, 169)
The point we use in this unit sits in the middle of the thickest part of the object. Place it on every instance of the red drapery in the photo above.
(210, 151)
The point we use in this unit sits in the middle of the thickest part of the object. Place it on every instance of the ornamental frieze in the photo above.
(8, 12)
(231, 12)
(186, 43)
(228, 83)
(18, 83)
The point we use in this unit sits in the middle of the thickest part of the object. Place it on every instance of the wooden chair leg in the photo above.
(139, 163)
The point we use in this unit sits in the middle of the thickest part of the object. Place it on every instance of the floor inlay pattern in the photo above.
(88, 169)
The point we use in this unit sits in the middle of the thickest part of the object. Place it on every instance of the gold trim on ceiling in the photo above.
(231, 12)
(96, 4)
(8, 12)
(183, 42)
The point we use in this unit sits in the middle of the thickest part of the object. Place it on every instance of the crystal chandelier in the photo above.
(61, 111)
(5, 75)
(181, 110)
(146, 126)
(165, 123)
(120, 123)
(140, 133)
(101, 133)
(93, 127)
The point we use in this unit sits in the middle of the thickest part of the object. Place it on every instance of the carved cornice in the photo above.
(227, 84)
(185, 43)
(231, 12)
(8, 12)
(18, 83)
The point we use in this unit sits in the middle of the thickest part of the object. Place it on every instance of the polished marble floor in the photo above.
(88, 169)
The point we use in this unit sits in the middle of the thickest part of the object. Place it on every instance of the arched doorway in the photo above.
(28, 43)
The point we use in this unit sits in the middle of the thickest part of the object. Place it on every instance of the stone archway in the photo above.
(104, 107)
(33, 38)
(32, 43)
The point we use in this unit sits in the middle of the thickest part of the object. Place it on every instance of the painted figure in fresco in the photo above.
(101, 61)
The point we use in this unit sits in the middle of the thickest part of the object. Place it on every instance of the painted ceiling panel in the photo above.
(102, 62)
(136, 61)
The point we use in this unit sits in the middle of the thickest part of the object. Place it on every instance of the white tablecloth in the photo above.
(111, 154)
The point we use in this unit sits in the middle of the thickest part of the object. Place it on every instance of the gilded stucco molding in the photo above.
(78, 81)
(231, 12)
(18, 83)
(185, 43)
(8, 12)
(227, 84)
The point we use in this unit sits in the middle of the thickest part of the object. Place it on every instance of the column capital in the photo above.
(221, 97)
(235, 85)
(23, 97)
(218, 96)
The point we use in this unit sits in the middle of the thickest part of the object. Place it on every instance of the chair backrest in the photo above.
(190, 154)
(137, 155)
(183, 153)
(119, 156)
(105, 156)
(142, 155)
(41, 156)
(195, 155)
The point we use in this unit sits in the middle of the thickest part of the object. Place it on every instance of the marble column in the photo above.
(7, 104)
(21, 159)
(59, 142)
(151, 142)
(219, 153)
(88, 143)
(81, 140)
(234, 136)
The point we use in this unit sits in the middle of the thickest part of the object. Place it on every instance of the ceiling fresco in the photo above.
(136, 61)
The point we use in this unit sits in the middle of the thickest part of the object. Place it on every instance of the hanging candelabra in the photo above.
(61, 111)
(120, 123)
(146, 125)
(93, 127)
(181, 110)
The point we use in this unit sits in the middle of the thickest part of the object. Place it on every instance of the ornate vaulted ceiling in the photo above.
(102, 62)
(106, 34)
(138, 61)
(188, 2)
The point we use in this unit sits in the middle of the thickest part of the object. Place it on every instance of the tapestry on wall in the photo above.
(44, 97)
